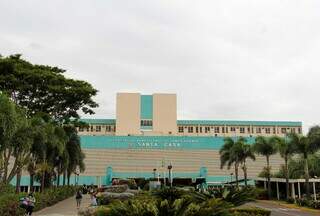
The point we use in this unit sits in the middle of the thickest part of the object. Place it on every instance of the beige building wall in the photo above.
(165, 113)
(128, 114)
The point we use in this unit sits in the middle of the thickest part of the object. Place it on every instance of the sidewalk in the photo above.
(67, 207)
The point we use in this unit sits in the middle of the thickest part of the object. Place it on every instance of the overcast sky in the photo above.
(228, 59)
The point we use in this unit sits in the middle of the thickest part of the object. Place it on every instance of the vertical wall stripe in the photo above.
(146, 108)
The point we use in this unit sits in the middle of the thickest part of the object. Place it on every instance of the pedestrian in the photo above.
(31, 203)
(93, 199)
(78, 198)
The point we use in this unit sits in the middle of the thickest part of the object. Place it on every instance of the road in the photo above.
(281, 210)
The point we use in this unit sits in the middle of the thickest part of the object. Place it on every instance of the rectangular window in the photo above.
(222, 129)
(226, 129)
(207, 129)
(274, 130)
(108, 128)
(267, 130)
(258, 130)
(299, 130)
(180, 129)
(242, 130)
(284, 130)
(81, 129)
(146, 122)
(88, 129)
(200, 129)
(248, 129)
(293, 130)
(190, 129)
(216, 129)
(232, 129)
(91, 128)
(197, 129)
(98, 128)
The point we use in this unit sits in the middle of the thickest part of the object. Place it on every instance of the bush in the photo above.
(261, 194)
(6, 189)
(9, 203)
(250, 212)
(308, 203)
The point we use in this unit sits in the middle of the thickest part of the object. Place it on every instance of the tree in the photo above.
(266, 146)
(44, 89)
(243, 151)
(307, 145)
(286, 150)
(15, 139)
(229, 155)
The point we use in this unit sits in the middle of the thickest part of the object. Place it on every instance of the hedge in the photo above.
(250, 212)
(9, 203)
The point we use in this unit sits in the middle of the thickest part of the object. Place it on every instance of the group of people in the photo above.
(90, 190)
(28, 203)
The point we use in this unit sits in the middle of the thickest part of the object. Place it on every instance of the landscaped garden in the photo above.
(175, 201)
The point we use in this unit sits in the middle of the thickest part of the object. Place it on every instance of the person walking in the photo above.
(31, 200)
(78, 198)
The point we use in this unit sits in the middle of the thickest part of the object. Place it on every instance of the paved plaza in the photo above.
(66, 207)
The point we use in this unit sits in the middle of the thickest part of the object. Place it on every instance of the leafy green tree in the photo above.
(243, 152)
(286, 150)
(306, 146)
(266, 146)
(45, 89)
(15, 139)
(229, 155)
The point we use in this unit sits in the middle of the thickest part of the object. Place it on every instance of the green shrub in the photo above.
(6, 189)
(261, 194)
(250, 212)
(9, 203)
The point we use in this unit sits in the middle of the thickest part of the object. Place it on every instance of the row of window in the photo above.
(97, 128)
(146, 122)
(258, 130)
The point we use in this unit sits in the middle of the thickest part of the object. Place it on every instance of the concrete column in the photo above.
(293, 191)
(314, 191)
(299, 192)
(278, 196)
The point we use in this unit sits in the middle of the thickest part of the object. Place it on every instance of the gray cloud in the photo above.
(248, 60)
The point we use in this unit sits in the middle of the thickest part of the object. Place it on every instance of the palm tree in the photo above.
(229, 156)
(286, 150)
(307, 145)
(244, 151)
(266, 146)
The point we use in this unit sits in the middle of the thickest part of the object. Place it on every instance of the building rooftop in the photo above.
(209, 122)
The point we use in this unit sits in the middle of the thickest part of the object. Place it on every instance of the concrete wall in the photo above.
(128, 114)
(165, 113)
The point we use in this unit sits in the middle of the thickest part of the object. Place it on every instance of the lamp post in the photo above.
(170, 174)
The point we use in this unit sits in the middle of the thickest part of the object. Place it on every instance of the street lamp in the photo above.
(170, 174)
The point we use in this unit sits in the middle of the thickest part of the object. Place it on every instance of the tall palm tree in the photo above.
(286, 150)
(307, 145)
(244, 151)
(229, 156)
(266, 146)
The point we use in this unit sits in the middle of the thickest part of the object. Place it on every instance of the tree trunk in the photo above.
(236, 170)
(58, 180)
(18, 181)
(64, 178)
(286, 169)
(68, 179)
(306, 173)
(42, 182)
(31, 182)
(245, 174)
(268, 177)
